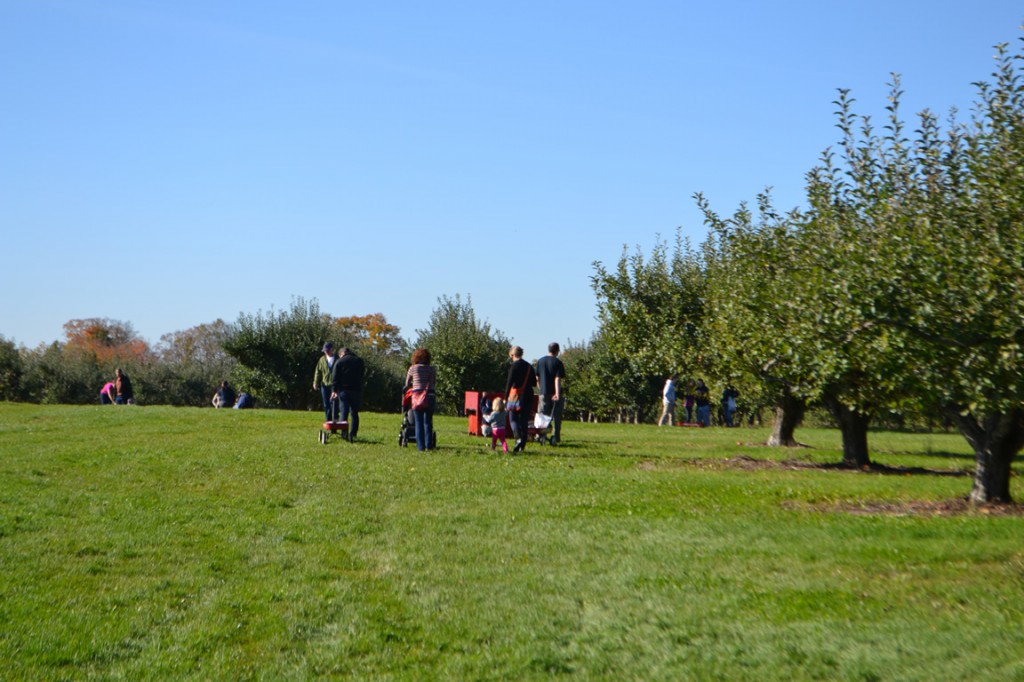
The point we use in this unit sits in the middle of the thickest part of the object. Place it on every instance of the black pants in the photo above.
(520, 424)
(349, 402)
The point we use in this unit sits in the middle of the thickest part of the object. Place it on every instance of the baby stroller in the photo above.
(408, 431)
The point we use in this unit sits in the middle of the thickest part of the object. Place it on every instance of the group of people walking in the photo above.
(517, 410)
(519, 391)
(339, 378)
(696, 402)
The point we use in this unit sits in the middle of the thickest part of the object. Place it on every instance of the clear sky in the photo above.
(170, 162)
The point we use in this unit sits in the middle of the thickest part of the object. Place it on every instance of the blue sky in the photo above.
(171, 162)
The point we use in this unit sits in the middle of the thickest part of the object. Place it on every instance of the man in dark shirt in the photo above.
(123, 386)
(550, 375)
(347, 387)
(703, 398)
(225, 396)
(522, 378)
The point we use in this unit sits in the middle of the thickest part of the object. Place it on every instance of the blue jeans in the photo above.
(704, 415)
(349, 404)
(325, 393)
(424, 423)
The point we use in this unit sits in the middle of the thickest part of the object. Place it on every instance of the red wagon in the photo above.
(331, 428)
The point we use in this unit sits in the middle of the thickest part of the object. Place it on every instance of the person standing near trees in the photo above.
(550, 374)
(322, 380)
(347, 388)
(422, 378)
(123, 387)
(689, 399)
(702, 398)
(729, 396)
(668, 401)
(521, 379)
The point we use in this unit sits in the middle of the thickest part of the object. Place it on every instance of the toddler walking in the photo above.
(498, 418)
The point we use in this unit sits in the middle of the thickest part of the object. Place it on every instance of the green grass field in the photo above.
(161, 543)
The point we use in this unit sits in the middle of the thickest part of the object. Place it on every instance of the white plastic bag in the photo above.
(541, 420)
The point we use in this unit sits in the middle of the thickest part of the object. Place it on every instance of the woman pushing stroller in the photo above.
(421, 381)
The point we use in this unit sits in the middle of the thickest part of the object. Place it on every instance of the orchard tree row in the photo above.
(899, 288)
(270, 355)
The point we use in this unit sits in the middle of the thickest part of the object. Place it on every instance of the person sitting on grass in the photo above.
(225, 395)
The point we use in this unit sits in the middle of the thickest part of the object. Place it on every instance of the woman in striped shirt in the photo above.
(422, 377)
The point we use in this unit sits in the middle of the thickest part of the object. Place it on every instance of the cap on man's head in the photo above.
(328, 346)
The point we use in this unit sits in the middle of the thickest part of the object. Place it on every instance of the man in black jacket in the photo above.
(347, 387)
(522, 378)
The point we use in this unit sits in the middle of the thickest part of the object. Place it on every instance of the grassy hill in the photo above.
(162, 543)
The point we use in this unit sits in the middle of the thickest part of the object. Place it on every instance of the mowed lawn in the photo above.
(159, 543)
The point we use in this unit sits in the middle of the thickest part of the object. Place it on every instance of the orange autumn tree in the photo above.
(373, 331)
(106, 342)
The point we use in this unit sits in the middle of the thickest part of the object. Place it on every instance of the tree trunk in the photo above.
(789, 413)
(996, 440)
(854, 427)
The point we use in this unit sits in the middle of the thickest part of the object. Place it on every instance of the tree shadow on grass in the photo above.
(753, 464)
(886, 470)
(940, 454)
(952, 507)
(956, 507)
